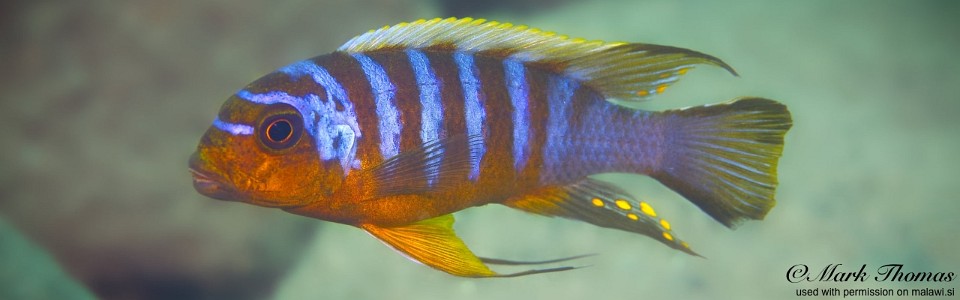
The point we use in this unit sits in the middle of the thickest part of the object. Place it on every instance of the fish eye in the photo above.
(281, 131)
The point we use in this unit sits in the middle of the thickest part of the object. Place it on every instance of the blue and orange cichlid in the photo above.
(405, 125)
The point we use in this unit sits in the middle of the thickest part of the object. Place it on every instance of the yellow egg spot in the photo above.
(632, 217)
(645, 208)
(623, 204)
(643, 93)
(664, 75)
(597, 202)
(682, 71)
(684, 244)
(661, 88)
(665, 224)
(667, 236)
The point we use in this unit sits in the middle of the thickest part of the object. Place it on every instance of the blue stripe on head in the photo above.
(333, 134)
(560, 92)
(334, 131)
(233, 128)
(335, 91)
(516, 81)
(431, 114)
(387, 113)
(473, 108)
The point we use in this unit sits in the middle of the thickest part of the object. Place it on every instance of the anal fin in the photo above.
(434, 243)
(602, 204)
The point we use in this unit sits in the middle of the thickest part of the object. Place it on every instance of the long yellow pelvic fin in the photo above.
(433, 242)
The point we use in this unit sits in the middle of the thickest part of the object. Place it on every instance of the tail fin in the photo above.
(723, 157)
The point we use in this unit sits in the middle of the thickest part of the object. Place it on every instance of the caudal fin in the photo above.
(723, 157)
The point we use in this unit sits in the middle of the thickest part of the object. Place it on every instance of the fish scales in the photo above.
(526, 168)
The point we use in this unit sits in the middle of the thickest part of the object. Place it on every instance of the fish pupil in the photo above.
(279, 131)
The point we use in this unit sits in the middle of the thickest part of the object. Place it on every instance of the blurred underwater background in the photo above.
(102, 102)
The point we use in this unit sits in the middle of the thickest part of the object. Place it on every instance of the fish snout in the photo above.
(207, 182)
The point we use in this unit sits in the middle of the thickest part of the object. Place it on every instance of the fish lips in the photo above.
(208, 183)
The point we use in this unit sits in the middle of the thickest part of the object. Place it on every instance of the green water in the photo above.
(101, 103)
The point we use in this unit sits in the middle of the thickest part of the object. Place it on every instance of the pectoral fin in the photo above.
(436, 165)
(434, 243)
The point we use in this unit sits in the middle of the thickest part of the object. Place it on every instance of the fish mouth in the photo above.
(207, 183)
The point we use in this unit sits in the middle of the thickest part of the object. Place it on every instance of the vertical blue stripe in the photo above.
(560, 93)
(431, 115)
(516, 81)
(473, 109)
(387, 113)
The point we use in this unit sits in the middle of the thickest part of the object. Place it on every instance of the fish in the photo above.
(405, 125)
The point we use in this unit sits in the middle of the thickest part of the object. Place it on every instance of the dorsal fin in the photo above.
(625, 71)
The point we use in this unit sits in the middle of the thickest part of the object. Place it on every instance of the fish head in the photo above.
(261, 154)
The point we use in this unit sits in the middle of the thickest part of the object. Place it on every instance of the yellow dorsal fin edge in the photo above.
(625, 71)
